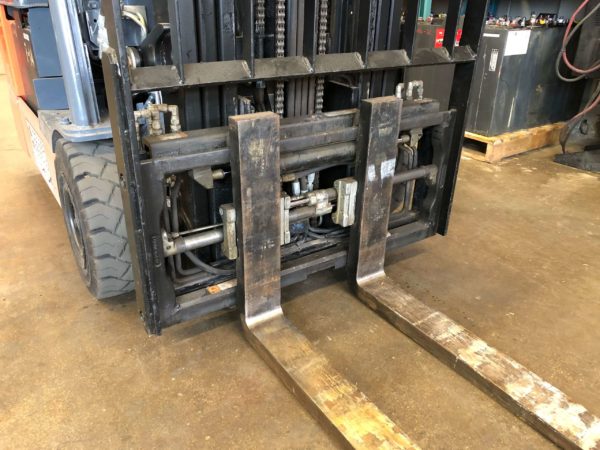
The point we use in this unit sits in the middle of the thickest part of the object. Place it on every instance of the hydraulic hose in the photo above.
(567, 38)
(595, 98)
(200, 265)
(569, 35)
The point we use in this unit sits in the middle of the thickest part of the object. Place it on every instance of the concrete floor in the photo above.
(520, 268)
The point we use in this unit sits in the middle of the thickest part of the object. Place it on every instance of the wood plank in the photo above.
(537, 402)
(473, 154)
(479, 137)
(514, 143)
(327, 395)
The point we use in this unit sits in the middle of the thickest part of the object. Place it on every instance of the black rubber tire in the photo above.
(90, 195)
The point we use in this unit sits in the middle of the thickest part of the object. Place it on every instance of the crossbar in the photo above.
(239, 71)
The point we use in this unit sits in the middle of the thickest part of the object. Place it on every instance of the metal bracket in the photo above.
(285, 203)
(206, 176)
(346, 201)
(408, 92)
(538, 403)
(229, 246)
(415, 136)
(320, 200)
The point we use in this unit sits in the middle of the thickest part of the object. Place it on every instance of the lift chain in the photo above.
(321, 49)
(260, 17)
(280, 53)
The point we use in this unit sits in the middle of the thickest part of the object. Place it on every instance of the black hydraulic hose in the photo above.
(561, 76)
(201, 265)
(175, 228)
(167, 222)
(327, 233)
(174, 212)
(207, 267)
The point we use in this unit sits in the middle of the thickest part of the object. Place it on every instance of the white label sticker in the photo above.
(494, 59)
(39, 155)
(494, 35)
(387, 168)
(517, 42)
(371, 174)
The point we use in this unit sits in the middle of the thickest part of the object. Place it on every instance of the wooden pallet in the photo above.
(514, 143)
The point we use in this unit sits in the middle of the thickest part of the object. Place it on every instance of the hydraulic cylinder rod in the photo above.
(193, 241)
(414, 174)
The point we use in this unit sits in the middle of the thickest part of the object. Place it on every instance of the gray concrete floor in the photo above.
(520, 268)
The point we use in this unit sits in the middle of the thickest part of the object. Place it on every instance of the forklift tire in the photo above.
(90, 195)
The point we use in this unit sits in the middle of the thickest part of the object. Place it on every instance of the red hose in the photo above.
(564, 52)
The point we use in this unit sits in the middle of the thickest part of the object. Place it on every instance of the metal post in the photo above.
(74, 64)
(155, 298)
(409, 28)
(459, 97)
(454, 10)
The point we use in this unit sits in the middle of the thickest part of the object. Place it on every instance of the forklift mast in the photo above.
(312, 63)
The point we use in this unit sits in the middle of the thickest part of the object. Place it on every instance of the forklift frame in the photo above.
(361, 134)
(142, 179)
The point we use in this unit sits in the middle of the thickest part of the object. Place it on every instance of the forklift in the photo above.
(208, 153)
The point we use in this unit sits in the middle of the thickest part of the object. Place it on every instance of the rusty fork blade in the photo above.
(337, 404)
(323, 391)
(537, 402)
